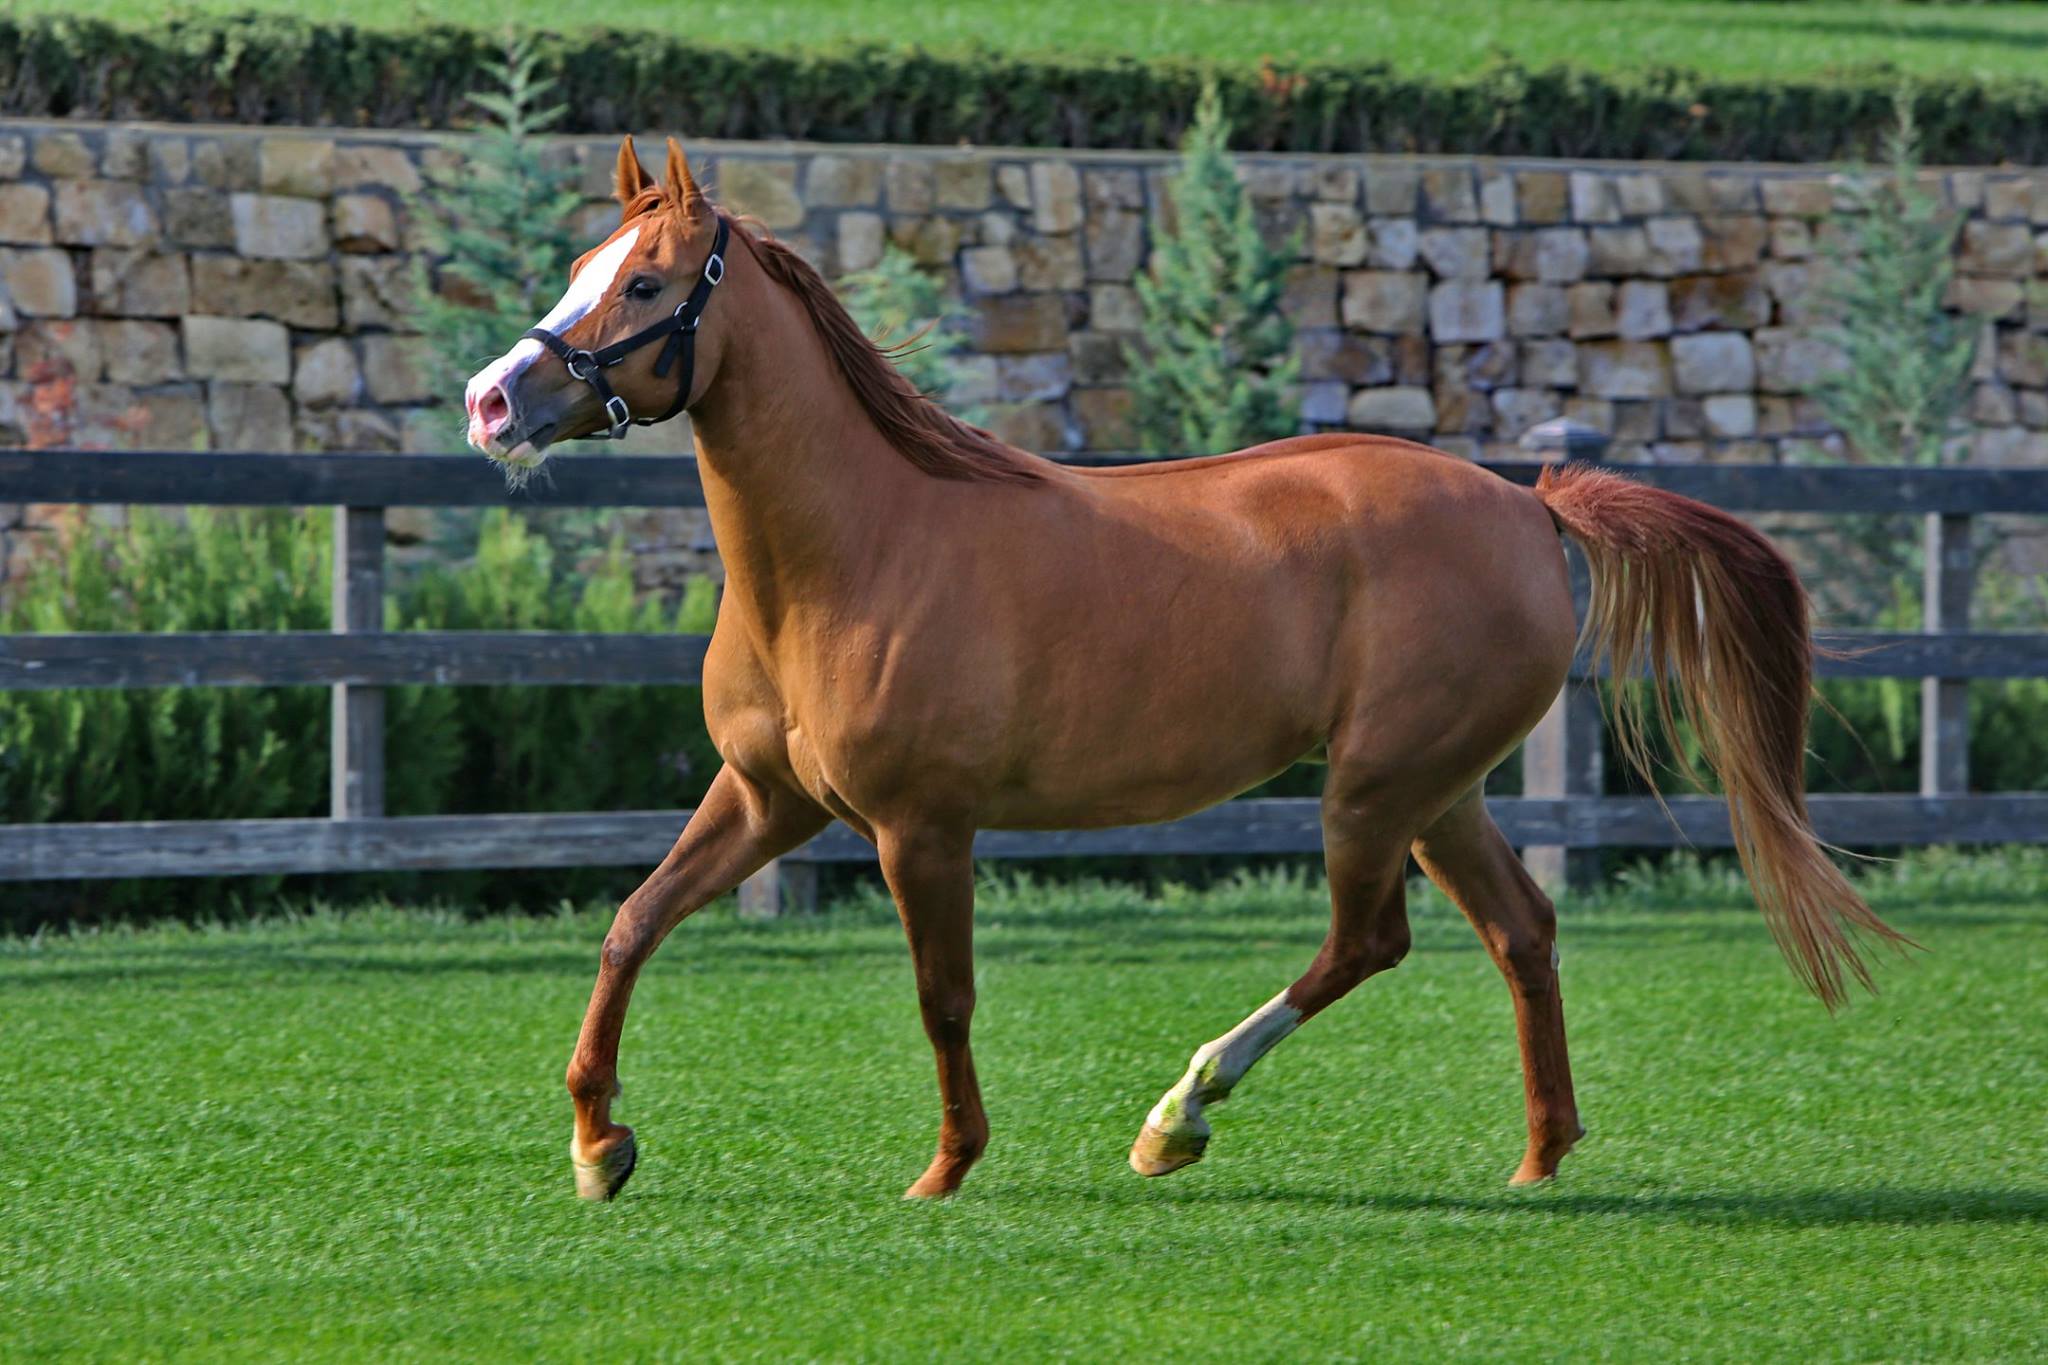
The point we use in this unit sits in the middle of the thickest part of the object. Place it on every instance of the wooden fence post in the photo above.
(1949, 578)
(1562, 755)
(786, 886)
(356, 785)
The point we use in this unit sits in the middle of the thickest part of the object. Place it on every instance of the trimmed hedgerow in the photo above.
(275, 69)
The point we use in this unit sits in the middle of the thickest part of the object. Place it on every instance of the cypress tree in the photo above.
(1213, 371)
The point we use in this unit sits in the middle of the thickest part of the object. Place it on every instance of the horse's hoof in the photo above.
(603, 1178)
(1541, 1164)
(1159, 1151)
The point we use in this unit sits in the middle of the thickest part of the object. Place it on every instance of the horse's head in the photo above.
(623, 343)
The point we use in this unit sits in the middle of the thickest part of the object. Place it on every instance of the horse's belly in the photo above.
(1149, 768)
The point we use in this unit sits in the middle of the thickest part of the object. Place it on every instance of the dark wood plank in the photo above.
(184, 848)
(1849, 821)
(1823, 488)
(464, 658)
(354, 480)
(459, 658)
(1888, 654)
(577, 480)
(641, 838)
(1959, 654)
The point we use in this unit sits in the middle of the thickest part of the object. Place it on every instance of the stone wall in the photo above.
(246, 289)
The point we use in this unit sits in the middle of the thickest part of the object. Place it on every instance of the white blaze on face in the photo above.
(1220, 1065)
(586, 290)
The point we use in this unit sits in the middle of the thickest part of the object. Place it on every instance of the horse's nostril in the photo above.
(493, 409)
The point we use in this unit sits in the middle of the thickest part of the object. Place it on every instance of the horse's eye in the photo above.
(643, 289)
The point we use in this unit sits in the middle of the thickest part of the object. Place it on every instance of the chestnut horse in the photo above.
(926, 632)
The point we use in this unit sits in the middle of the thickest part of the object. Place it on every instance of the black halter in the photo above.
(680, 329)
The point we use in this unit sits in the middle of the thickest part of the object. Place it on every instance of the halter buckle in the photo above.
(621, 416)
(714, 269)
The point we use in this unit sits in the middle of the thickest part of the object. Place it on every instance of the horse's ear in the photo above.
(629, 179)
(681, 187)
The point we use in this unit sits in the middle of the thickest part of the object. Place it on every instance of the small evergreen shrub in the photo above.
(246, 752)
(905, 310)
(497, 226)
(1213, 370)
(1899, 396)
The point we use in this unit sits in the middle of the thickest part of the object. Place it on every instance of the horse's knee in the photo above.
(948, 1014)
(627, 946)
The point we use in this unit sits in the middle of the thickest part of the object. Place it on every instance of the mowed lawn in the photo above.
(1442, 37)
(345, 1137)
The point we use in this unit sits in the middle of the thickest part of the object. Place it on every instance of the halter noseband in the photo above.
(680, 331)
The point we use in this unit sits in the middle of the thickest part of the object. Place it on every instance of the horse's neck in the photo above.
(804, 493)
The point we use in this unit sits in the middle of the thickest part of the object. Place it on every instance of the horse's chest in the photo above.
(823, 727)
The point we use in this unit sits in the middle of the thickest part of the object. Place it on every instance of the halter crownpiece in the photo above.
(678, 330)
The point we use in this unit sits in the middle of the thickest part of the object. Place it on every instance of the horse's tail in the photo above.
(1709, 604)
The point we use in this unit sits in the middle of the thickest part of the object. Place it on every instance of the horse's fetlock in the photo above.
(587, 1085)
(964, 1145)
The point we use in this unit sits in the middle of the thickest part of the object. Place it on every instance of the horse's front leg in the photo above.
(739, 826)
(931, 874)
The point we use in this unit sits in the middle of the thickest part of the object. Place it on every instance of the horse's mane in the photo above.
(920, 430)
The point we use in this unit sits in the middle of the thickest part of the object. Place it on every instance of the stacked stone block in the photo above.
(183, 288)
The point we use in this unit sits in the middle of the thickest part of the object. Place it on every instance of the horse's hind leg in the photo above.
(1465, 854)
(1368, 934)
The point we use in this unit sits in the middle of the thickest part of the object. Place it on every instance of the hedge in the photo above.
(274, 69)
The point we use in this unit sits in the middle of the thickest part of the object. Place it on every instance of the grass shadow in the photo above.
(1906, 1207)
(1948, 33)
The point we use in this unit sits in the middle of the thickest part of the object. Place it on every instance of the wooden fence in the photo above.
(1561, 817)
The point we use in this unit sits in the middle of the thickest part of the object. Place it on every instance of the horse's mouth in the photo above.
(528, 450)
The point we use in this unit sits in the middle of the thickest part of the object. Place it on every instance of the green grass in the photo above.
(1442, 36)
(344, 1137)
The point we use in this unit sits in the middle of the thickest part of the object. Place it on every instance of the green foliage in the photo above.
(178, 752)
(1899, 396)
(253, 69)
(497, 225)
(561, 748)
(1214, 371)
(905, 309)
(228, 753)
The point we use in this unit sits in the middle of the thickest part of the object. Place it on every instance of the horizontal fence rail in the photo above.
(1561, 818)
(185, 479)
(469, 658)
(1290, 825)
(454, 658)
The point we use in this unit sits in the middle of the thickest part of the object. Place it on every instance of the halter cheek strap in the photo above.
(677, 332)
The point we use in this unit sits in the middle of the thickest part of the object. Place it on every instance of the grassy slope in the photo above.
(345, 1137)
(1443, 36)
